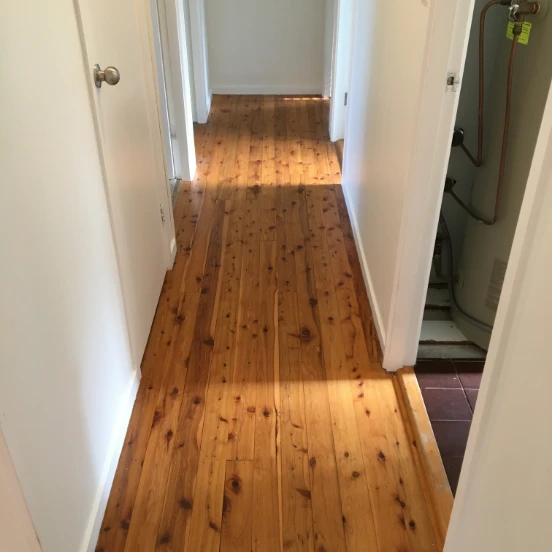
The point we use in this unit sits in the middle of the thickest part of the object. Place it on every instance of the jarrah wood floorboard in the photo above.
(264, 421)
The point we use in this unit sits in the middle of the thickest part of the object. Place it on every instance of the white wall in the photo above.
(503, 499)
(386, 84)
(66, 376)
(268, 46)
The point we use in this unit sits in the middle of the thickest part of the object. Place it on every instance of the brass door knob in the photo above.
(110, 75)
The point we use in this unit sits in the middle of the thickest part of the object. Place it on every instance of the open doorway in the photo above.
(341, 23)
(505, 86)
(212, 51)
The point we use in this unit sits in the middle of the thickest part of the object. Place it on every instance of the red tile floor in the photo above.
(449, 389)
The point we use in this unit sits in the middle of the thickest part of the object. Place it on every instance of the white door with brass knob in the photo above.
(131, 149)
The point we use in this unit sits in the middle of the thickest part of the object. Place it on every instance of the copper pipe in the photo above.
(478, 161)
(507, 117)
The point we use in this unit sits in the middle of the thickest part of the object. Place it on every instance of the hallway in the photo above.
(264, 421)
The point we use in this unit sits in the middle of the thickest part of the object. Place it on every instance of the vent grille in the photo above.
(495, 284)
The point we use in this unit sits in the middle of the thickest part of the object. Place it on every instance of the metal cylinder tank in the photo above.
(486, 249)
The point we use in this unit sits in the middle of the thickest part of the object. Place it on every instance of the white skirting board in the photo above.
(376, 313)
(270, 89)
(173, 251)
(96, 517)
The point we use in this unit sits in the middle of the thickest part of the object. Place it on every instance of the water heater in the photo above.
(486, 249)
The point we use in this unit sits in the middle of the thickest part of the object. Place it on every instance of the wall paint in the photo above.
(273, 46)
(503, 499)
(381, 137)
(66, 375)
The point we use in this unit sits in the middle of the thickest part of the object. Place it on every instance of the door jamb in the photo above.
(158, 113)
(330, 24)
(198, 31)
(338, 111)
(163, 82)
(529, 220)
(424, 189)
(183, 123)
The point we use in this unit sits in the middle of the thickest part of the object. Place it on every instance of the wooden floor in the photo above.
(264, 421)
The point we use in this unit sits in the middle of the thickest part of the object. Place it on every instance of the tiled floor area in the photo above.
(450, 389)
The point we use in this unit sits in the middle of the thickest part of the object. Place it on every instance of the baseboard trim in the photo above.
(276, 89)
(376, 312)
(173, 249)
(430, 465)
(209, 103)
(96, 517)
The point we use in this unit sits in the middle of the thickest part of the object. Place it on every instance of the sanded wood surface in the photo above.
(432, 469)
(264, 421)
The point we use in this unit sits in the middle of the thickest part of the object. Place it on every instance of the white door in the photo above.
(136, 186)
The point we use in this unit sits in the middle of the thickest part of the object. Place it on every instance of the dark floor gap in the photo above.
(450, 389)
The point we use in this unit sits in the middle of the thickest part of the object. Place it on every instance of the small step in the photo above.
(447, 352)
(443, 339)
(442, 331)
(437, 314)
(437, 298)
(442, 283)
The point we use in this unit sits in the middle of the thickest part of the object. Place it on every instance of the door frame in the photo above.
(200, 57)
(343, 44)
(332, 11)
(183, 18)
(515, 281)
(163, 87)
(445, 51)
(148, 36)
(176, 63)
(158, 113)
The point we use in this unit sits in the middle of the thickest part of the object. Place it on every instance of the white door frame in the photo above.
(330, 31)
(198, 28)
(158, 113)
(343, 41)
(148, 35)
(182, 125)
(446, 49)
(162, 89)
(507, 318)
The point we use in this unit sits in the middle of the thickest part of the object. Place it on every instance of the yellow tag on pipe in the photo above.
(525, 32)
